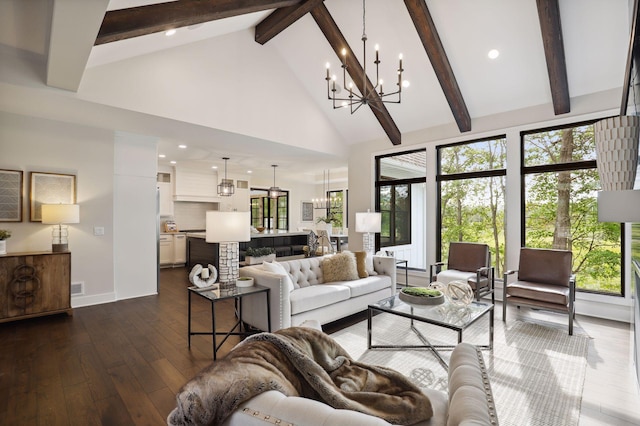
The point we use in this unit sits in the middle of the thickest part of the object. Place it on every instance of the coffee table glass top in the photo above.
(446, 314)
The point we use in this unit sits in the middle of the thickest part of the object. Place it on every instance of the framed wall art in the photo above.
(10, 195)
(49, 188)
(307, 211)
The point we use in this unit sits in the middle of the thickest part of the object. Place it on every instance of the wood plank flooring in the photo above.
(122, 363)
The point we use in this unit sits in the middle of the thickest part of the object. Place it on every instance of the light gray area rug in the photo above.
(537, 371)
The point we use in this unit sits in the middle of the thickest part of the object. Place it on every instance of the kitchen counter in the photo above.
(284, 243)
(272, 233)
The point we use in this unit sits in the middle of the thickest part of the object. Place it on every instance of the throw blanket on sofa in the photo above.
(298, 361)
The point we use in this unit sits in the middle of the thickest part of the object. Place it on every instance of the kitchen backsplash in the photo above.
(190, 215)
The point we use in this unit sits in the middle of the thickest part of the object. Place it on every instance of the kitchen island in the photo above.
(285, 243)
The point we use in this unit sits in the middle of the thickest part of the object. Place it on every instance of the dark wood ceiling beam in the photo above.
(281, 19)
(433, 46)
(633, 58)
(137, 21)
(549, 14)
(337, 41)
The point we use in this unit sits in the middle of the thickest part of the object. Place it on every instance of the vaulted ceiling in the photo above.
(264, 60)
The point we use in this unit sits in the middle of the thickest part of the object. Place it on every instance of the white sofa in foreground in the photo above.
(311, 298)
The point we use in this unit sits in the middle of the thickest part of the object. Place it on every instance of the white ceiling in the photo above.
(595, 35)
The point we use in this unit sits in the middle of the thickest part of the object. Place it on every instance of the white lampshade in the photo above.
(60, 213)
(368, 222)
(222, 227)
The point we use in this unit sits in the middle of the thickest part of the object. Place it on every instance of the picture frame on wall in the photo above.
(307, 211)
(11, 195)
(49, 188)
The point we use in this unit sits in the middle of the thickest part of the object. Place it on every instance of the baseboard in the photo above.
(97, 299)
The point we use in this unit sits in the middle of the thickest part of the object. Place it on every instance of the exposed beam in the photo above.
(337, 41)
(433, 46)
(549, 15)
(137, 21)
(280, 19)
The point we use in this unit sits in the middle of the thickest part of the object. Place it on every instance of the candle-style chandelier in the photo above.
(325, 202)
(375, 96)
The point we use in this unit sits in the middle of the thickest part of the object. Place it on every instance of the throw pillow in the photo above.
(340, 267)
(277, 268)
(361, 257)
(369, 264)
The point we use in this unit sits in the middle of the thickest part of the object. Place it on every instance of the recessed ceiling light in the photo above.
(249, 171)
(182, 146)
(170, 32)
(173, 161)
(162, 156)
(214, 167)
(493, 54)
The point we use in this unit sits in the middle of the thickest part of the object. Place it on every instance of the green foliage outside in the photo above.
(560, 205)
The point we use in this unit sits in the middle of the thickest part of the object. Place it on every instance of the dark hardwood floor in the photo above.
(114, 364)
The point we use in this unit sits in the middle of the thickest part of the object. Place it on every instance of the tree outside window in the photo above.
(560, 206)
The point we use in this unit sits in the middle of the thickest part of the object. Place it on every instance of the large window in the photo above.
(560, 184)
(400, 198)
(471, 186)
(272, 213)
(336, 207)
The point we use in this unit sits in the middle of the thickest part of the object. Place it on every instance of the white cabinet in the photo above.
(166, 198)
(179, 249)
(166, 249)
(173, 249)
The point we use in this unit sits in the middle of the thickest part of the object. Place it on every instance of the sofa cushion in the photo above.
(304, 272)
(317, 296)
(277, 268)
(361, 266)
(367, 285)
(340, 267)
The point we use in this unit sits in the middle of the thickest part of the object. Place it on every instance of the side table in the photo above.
(216, 295)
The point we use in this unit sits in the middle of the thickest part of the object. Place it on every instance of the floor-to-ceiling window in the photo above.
(400, 198)
(471, 187)
(559, 202)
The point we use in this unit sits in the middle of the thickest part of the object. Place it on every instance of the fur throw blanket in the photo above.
(297, 361)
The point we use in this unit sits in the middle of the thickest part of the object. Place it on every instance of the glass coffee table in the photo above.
(445, 315)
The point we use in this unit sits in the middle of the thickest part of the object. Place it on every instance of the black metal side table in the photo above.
(216, 295)
(406, 270)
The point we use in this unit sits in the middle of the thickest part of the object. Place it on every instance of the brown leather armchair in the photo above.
(544, 280)
(469, 263)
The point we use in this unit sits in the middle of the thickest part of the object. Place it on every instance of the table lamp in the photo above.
(369, 223)
(227, 229)
(60, 215)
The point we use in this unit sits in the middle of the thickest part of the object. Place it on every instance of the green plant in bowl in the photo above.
(422, 292)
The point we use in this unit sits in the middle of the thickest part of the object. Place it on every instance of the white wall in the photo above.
(362, 179)
(34, 144)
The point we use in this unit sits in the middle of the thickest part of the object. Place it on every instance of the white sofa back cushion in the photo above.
(305, 272)
(277, 268)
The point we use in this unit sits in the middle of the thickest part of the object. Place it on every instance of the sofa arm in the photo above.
(254, 308)
(386, 265)
(470, 397)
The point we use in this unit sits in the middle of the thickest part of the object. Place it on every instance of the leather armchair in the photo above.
(470, 263)
(544, 281)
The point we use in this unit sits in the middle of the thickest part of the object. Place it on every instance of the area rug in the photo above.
(537, 372)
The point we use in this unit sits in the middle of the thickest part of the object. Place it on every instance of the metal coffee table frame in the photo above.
(429, 315)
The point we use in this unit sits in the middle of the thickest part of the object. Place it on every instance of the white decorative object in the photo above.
(437, 285)
(203, 277)
(244, 282)
(459, 293)
(3, 246)
(617, 151)
(259, 260)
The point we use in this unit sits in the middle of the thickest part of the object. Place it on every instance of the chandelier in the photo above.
(226, 188)
(325, 202)
(274, 191)
(373, 96)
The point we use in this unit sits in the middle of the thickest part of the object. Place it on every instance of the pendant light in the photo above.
(274, 191)
(226, 188)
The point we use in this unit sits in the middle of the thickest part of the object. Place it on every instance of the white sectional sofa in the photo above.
(311, 298)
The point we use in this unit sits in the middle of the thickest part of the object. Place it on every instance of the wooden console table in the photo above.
(34, 284)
